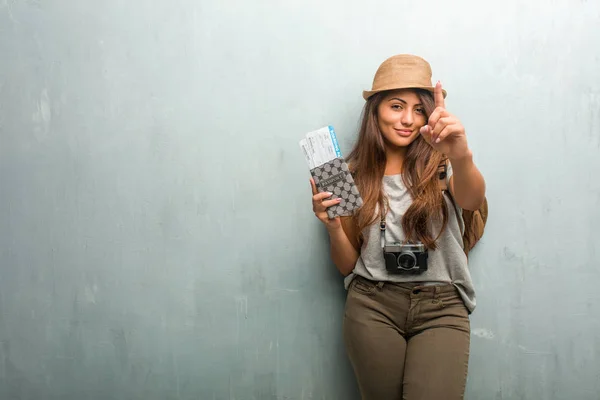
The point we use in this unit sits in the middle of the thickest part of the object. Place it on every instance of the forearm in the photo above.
(468, 183)
(343, 253)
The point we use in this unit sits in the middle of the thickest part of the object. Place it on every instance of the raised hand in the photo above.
(444, 132)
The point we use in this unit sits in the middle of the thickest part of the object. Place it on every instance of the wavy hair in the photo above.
(367, 162)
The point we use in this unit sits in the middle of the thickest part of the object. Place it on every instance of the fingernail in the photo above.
(329, 194)
(437, 140)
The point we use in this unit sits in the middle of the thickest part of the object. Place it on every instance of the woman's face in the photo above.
(400, 115)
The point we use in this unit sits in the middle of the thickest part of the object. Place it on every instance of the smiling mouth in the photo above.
(404, 132)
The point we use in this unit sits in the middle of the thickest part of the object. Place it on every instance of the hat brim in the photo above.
(369, 93)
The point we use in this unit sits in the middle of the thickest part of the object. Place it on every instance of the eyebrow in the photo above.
(403, 101)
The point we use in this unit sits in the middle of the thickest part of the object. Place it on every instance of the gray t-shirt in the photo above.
(446, 264)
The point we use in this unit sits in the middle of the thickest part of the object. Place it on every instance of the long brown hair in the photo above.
(367, 162)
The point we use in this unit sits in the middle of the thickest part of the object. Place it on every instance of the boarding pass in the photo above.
(320, 146)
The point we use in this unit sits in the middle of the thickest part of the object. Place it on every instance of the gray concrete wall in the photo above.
(156, 234)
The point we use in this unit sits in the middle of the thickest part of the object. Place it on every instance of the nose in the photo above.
(407, 118)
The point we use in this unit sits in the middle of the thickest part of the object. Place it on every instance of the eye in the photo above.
(420, 111)
(396, 107)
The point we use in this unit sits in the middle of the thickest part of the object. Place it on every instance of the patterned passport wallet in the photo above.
(334, 177)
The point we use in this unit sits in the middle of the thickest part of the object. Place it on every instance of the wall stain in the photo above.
(119, 342)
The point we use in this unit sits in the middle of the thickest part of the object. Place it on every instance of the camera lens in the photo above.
(407, 261)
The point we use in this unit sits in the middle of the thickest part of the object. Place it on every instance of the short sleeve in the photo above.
(448, 172)
(448, 175)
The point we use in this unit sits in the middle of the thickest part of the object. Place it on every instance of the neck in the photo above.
(395, 158)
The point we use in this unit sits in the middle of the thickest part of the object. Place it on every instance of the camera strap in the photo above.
(442, 173)
(382, 230)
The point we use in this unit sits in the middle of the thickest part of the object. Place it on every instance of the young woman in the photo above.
(406, 323)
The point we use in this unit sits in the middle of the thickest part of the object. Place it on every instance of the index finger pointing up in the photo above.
(438, 95)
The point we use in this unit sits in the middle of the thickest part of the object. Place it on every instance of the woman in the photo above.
(406, 323)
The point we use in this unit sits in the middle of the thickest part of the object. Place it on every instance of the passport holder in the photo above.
(334, 177)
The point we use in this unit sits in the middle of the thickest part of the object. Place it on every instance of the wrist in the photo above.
(334, 230)
(463, 159)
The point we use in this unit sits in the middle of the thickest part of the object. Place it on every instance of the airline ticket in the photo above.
(320, 146)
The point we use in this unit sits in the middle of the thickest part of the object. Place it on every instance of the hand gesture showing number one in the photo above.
(444, 132)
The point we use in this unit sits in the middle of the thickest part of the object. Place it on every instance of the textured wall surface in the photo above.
(156, 235)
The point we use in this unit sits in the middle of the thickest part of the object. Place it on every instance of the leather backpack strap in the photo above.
(443, 175)
(474, 220)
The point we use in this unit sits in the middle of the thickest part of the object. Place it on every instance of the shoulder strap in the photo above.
(443, 174)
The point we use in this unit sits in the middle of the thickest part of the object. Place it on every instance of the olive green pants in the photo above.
(407, 341)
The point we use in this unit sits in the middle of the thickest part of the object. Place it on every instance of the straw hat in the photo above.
(403, 71)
